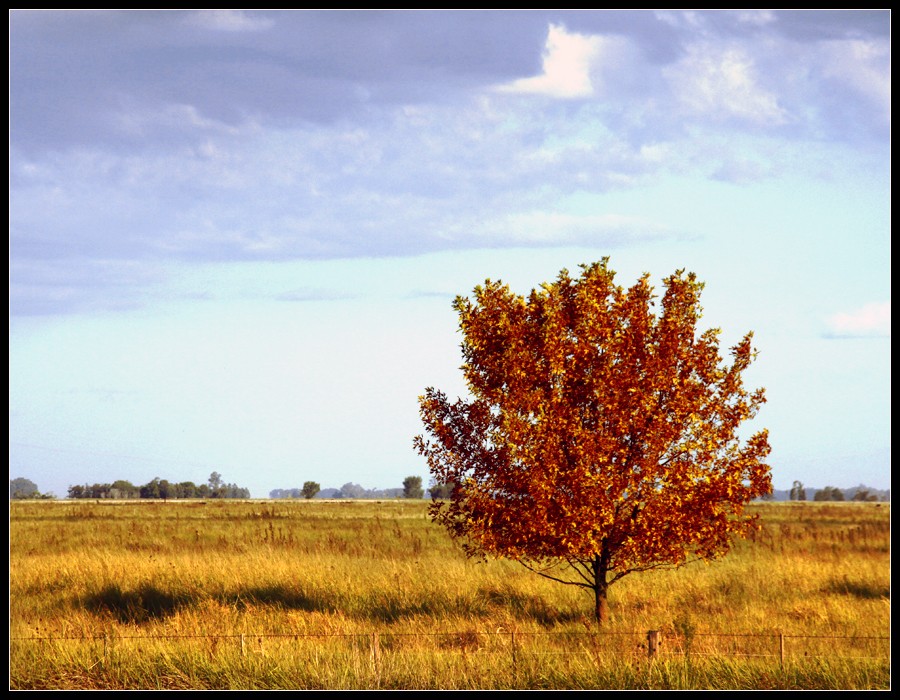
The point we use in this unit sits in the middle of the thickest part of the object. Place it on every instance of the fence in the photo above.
(516, 646)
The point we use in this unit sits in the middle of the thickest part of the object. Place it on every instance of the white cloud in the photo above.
(756, 18)
(681, 18)
(742, 171)
(871, 320)
(567, 63)
(230, 21)
(302, 294)
(722, 83)
(557, 228)
(864, 66)
(174, 117)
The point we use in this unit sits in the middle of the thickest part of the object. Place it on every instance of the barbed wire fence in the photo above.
(518, 646)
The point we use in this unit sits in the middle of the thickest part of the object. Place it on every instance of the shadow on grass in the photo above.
(280, 597)
(143, 604)
(392, 606)
(857, 589)
(527, 607)
(148, 602)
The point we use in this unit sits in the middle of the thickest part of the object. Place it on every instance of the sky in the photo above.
(235, 236)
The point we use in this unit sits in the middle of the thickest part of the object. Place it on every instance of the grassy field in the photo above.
(363, 595)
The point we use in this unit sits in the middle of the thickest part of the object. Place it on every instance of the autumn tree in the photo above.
(600, 438)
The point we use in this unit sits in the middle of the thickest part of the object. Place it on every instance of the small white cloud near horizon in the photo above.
(872, 320)
(567, 66)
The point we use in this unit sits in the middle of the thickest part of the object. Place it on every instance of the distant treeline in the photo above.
(161, 488)
(799, 492)
(346, 491)
(412, 488)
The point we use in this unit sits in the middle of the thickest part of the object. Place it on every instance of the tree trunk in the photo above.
(601, 604)
(601, 588)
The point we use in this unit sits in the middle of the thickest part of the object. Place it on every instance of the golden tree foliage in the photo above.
(598, 433)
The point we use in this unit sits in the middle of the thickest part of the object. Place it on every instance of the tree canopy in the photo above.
(598, 434)
(20, 487)
(412, 487)
(310, 489)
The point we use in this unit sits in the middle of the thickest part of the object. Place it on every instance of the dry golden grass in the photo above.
(325, 594)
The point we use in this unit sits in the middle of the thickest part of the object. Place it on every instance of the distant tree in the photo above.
(285, 493)
(90, 491)
(219, 489)
(310, 489)
(412, 487)
(829, 493)
(123, 489)
(440, 491)
(185, 489)
(234, 491)
(798, 492)
(151, 488)
(21, 487)
(295, 493)
(98, 491)
(350, 490)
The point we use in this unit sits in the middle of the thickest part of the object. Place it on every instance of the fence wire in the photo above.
(638, 645)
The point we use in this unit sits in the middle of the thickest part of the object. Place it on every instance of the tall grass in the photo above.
(330, 594)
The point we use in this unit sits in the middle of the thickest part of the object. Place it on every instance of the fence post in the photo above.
(653, 640)
(781, 648)
(375, 652)
(512, 638)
